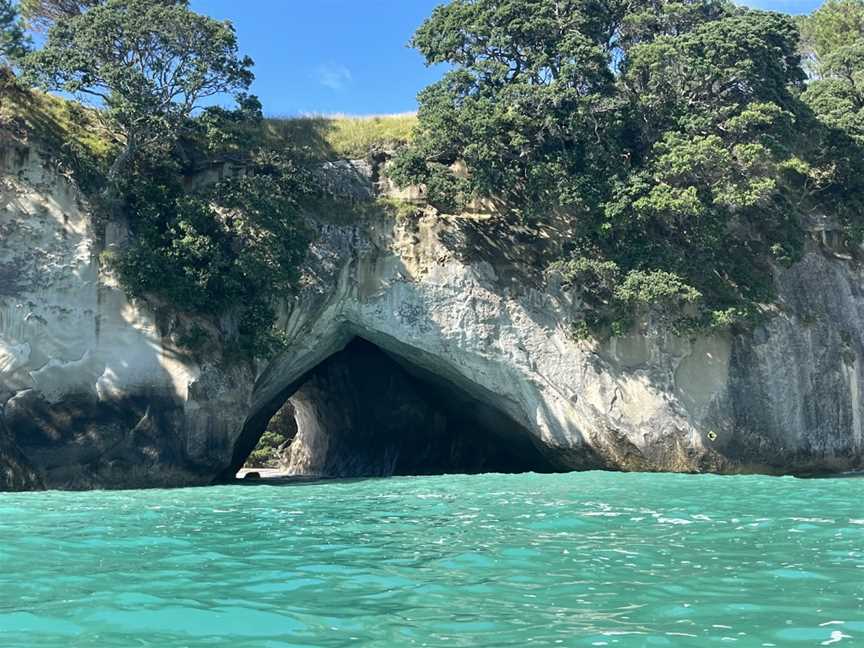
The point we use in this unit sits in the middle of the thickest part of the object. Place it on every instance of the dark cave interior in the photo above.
(364, 412)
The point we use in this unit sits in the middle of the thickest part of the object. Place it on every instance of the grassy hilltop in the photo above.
(67, 123)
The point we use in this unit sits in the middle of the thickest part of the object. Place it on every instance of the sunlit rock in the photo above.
(99, 392)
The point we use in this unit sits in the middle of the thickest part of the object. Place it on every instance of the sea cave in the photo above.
(364, 412)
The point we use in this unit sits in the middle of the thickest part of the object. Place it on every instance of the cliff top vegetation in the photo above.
(333, 137)
(71, 131)
(676, 146)
(57, 120)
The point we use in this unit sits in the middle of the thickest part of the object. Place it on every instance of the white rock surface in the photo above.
(86, 375)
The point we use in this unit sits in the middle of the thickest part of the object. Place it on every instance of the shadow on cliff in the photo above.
(518, 251)
(93, 404)
(307, 138)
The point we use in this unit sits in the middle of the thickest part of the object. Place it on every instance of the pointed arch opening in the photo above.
(371, 411)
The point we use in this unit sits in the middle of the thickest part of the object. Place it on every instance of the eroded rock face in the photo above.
(16, 474)
(93, 392)
(96, 392)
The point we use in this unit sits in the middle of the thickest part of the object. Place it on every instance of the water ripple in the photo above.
(587, 559)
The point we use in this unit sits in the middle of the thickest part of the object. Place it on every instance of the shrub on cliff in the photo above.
(671, 138)
(272, 447)
(834, 45)
(836, 24)
(223, 251)
(226, 250)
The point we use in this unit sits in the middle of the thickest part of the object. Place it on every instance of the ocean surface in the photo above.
(591, 559)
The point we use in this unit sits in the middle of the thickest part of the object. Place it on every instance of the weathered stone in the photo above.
(86, 442)
(97, 393)
(15, 473)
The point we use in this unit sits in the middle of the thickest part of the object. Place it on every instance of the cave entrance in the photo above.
(366, 413)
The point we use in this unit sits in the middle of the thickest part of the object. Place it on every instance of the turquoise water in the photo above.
(588, 559)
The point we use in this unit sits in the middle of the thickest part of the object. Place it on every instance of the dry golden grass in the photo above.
(333, 137)
(325, 137)
(56, 120)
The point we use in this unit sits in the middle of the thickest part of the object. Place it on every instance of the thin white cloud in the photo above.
(335, 77)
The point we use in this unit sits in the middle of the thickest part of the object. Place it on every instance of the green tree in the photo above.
(834, 40)
(835, 24)
(13, 41)
(272, 448)
(150, 64)
(41, 14)
(526, 74)
(667, 136)
(225, 252)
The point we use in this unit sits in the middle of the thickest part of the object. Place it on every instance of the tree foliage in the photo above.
(229, 250)
(13, 40)
(41, 14)
(834, 38)
(150, 64)
(273, 446)
(221, 252)
(669, 136)
(835, 24)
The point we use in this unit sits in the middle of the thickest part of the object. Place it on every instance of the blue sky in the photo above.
(346, 56)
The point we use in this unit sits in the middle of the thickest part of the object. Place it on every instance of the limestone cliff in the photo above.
(96, 391)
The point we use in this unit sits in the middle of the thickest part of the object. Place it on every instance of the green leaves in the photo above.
(149, 63)
(671, 204)
(834, 40)
(659, 290)
(228, 250)
(152, 66)
(697, 80)
(838, 98)
(528, 73)
(835, 24)
(13, 41)
(614, 298)
(670, 135)
(41, 14)
(223, 252)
